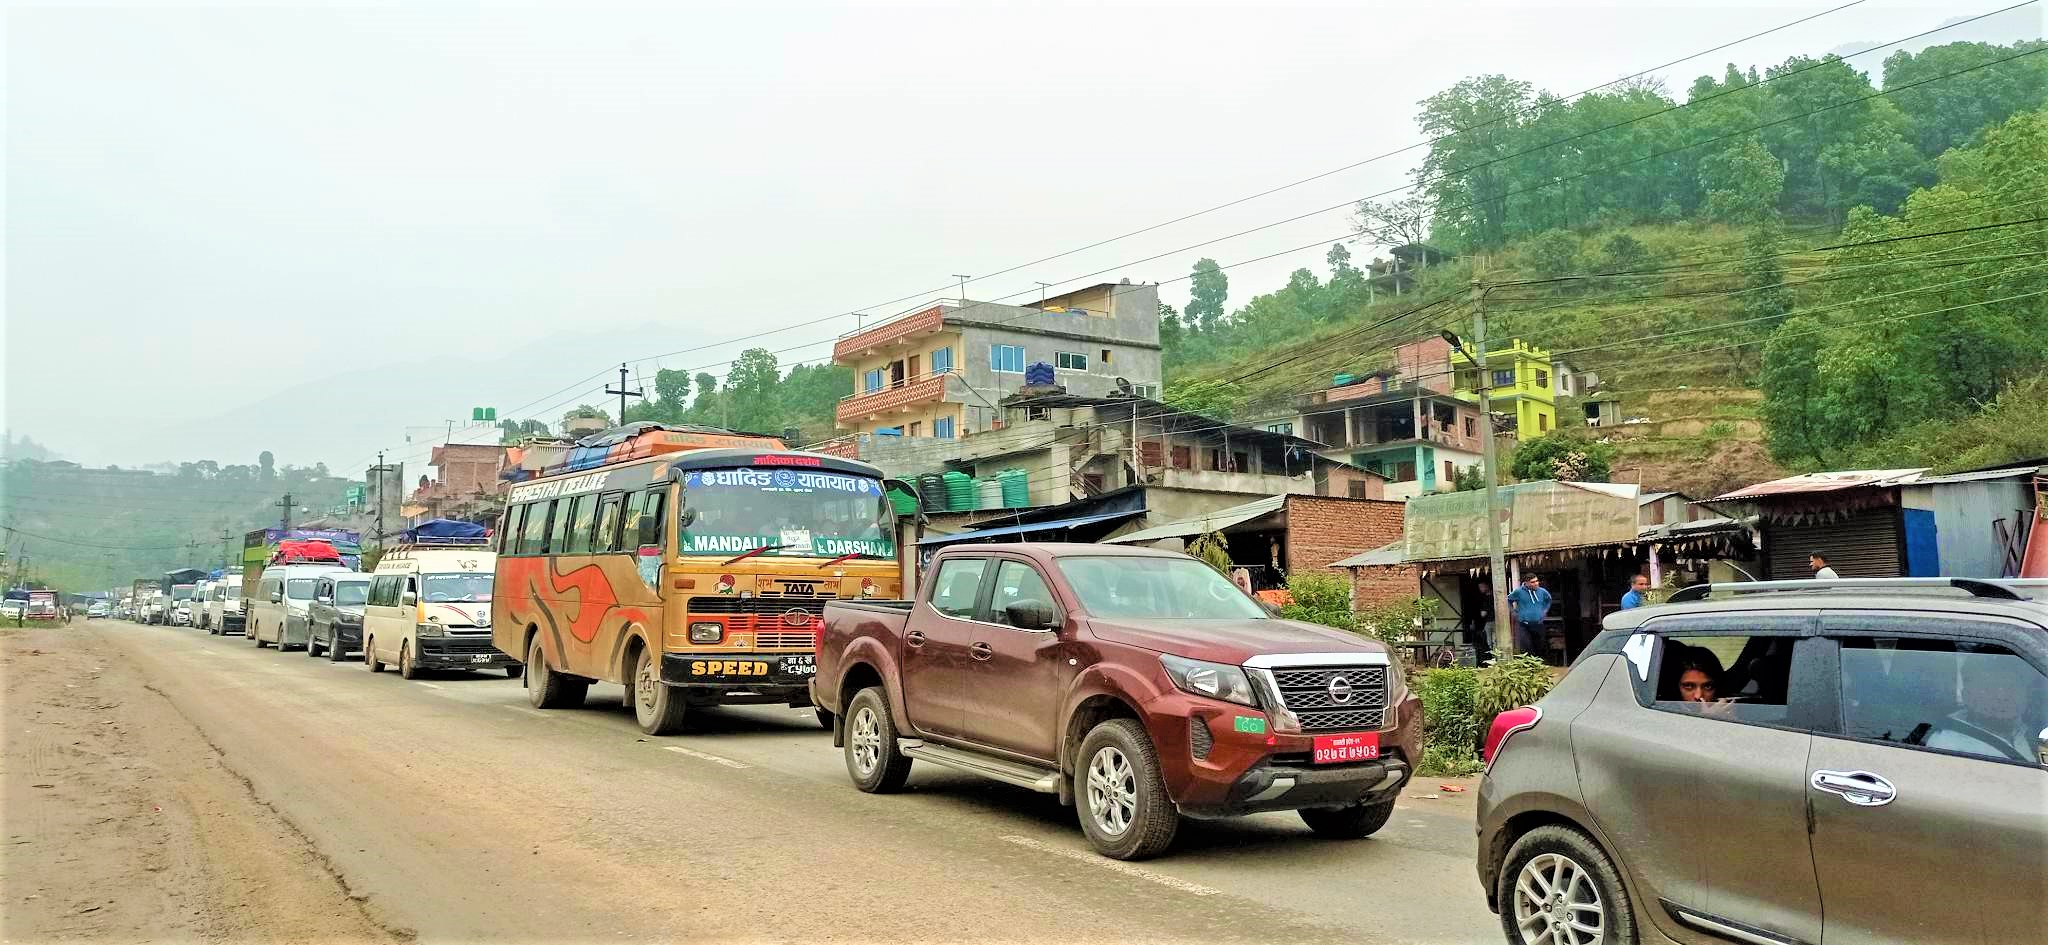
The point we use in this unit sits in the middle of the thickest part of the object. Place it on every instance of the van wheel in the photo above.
(658, 708)
(406, 668)
(547, 689)
(253, 638)
(1556, 885)
(1122, 799)
(1348, 823)
(871, 755)
(370, 655)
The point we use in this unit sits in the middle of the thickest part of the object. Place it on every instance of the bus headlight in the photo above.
(707, 632)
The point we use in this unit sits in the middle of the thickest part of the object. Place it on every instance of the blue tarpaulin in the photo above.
(443, 529)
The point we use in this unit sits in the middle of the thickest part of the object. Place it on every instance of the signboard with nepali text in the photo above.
(1541, 516)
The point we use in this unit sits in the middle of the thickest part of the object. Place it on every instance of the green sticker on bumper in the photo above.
(1249, 723)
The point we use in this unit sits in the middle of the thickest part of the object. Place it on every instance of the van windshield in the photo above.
(1156, 588)
(455, 588)
(300, 588)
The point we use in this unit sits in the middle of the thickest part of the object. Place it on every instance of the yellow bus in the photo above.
(692, 578)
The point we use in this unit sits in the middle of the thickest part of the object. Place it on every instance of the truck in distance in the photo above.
(1139, 685)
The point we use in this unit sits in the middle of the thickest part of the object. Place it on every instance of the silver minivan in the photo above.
(1783, 763)
(278, 609)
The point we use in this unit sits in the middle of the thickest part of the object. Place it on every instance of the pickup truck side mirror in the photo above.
(1033, 615)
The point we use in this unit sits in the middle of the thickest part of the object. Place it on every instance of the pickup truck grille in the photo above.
(1309, 693)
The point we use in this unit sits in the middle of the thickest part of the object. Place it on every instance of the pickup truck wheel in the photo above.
(547, 689)
(1122, 800)
(335, 651)
(659, 709)
(1348, 823)
(871, 756)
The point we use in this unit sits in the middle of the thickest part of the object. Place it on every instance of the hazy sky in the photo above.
(205, 205)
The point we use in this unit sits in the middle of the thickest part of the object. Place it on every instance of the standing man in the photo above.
(1530, 604)
(1821, 571)
(1638, 592)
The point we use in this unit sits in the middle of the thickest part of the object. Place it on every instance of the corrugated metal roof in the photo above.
(1203, 524)
(1029, 527)
(1824, 482)
(1388, 554)
(1978, 476)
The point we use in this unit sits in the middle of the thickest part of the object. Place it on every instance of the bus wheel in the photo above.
(547, 689)
(370, 659)
(658, 708)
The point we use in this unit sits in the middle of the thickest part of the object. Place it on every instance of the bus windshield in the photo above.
(457, 588)
(789, 512)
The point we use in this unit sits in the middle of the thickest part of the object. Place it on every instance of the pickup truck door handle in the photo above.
(982, 651)
(914, 638)
(1860, 788)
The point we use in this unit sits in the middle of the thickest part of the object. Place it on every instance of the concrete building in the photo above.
(1522, 386)
(1418, 437)
(939, 371)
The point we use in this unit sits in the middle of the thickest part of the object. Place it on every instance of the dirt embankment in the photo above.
(121, 824)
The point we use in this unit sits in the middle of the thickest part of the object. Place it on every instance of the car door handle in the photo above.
(982, 651)
(914, 638)
(1860, 788)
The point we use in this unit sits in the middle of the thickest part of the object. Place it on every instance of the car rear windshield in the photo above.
(1157, 588)
(354, 592)
(300, 588)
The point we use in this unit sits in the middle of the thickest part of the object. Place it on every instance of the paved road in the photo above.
(448, 809)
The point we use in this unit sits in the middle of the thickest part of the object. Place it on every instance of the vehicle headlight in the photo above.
(1214, 680)
(430, 630)
(709, 632)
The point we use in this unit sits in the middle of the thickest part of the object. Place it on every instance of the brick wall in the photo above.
(1377, 586)
(1322, 530)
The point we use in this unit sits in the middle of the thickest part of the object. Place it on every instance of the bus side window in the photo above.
(533, 537)
(629, 522)
(653, 518)
(508, 529)
(607, 537)
(566, 514)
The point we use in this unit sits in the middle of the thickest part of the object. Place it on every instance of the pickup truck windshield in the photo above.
(458, 588)
(812, 514)
(1155, 588)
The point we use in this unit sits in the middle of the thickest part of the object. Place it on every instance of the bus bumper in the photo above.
(758, 678)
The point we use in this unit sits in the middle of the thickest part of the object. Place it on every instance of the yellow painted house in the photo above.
(1521, 384)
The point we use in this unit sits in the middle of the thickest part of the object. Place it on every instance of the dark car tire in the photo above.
(1348, 823)
(872, 758)
(407, 669)
(1148, 816)
(659, 709)
(547, 689)
(335, 651)
(1565, 845)
(370, 660)
(312, 640)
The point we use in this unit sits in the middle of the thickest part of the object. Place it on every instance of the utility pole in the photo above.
(1042, 288)
(1503, 632)
(963, 288)
(624, 393)
(227, 551)
(380, 471)
(284, 519)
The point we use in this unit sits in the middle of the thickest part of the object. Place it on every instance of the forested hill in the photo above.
(1871, 259)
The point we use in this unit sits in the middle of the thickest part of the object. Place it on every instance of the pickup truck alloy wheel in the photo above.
(1559, 888)
(871, 756)
(1112, 791)
(1121, 799)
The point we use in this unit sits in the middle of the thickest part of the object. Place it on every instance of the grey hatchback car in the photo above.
(1849, 762)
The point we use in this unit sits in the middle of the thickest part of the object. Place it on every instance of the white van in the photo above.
(224, 606)
(277, 612)
(430, 608)
(200, 594)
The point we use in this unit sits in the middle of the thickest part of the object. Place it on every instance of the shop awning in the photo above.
(1214, 521)
(1027, 528)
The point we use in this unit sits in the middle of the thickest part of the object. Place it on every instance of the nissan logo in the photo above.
(1340, 690)
(796, 617)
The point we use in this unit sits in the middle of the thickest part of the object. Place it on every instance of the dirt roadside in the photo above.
(119, 822)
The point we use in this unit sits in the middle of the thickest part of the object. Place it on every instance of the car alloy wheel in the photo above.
(1112, 791)
(866, 736)
(1557, 903)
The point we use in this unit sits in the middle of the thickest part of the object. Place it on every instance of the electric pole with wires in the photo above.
(624, 393)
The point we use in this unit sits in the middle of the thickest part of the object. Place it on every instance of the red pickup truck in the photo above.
(1138, 685)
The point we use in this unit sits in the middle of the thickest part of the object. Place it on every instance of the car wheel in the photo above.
(406, 669)
(659, 709)
(335, 651)
(547, 689)
(1122, 799)
(1348, 823)
(871, 755)
(370, 659)
(1558, 888)
(312, 640)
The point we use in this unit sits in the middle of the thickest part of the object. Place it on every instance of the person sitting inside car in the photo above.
(1692, 677)
(2002, 713)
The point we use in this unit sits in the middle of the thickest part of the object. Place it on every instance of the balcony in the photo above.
(874, 404)
(888, 334)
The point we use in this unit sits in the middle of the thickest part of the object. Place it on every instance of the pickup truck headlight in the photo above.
(710, 632)
(1214, 680)
(429, 630)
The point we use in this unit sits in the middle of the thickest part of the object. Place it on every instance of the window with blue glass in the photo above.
(1006, 358)
(943, 428)
(872, 380)
(942, 360)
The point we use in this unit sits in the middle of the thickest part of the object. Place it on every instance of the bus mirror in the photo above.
(687, 518)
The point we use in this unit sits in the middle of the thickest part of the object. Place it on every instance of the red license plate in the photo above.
(1339, 749)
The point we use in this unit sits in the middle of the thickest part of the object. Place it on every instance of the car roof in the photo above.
(1063, 549)
(2026, 601)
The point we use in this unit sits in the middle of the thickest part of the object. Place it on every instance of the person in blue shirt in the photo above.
(1638, 593)
(1530, 604)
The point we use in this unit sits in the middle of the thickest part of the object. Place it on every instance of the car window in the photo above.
(1734, 676)
(959, 583)
(1017, 582)
(1976, 699)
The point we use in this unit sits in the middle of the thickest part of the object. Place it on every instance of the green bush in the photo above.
(1320, 598)
(1450, 724)
(1510, 683)
(1213, 550)
(1391, 623)
(1448, 761)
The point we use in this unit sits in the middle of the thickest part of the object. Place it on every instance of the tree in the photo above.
(1564, 455)
(672, 391)
(1555, 253)
(1215, 399)
(512, 431)
(1208, 292)
(1948, 113)
(1394, 222)
(1476, 125)
(751, 384)
(208, 468)
(1212, 549)
(1171, 335)
(1742, 183)
(268, 466)
(582, 411)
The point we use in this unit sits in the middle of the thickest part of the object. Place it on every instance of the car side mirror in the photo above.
(1033, 615)
(2041, 747)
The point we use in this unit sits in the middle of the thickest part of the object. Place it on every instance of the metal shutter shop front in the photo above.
(1858, 545)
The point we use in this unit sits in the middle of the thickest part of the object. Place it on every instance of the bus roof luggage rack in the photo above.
(1988, 588)
(446, 532)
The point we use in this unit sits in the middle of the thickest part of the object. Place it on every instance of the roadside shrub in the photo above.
(1392, 623)
(1509, 683)
(1213, 550)
(1320, 598)
(1450, 723)
(1448, 761)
